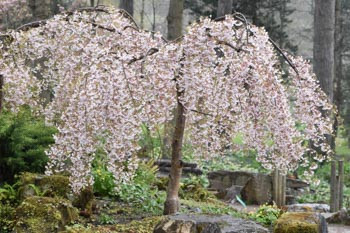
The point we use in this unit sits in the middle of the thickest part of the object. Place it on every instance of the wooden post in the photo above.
(279, 188)
(334, 202)
(341, 183)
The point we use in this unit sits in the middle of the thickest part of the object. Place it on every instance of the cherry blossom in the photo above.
(94, 74)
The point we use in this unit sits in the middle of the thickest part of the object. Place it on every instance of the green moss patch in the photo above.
(304, 222)
(41, 185)
(44, 214)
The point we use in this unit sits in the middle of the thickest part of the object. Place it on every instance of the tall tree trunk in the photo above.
(128, 6)
(142, 15)
(324, 21)
(338, 47)
(174, 19)
(224, 7)
(172, 203)
(92, 3)
(1, 92)
(42, 9)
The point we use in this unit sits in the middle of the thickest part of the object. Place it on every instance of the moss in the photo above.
(303, 222)
(49, 186)
(145, 225)
(7, 214)
(44, 214)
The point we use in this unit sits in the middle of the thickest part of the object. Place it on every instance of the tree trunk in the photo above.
(324, 21)
(174, 19)
(42, 9)
(172, 203)
(128, 6)
(1, 92)
(224, 7)
(338, 38)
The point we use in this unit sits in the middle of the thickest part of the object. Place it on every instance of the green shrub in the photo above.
(142, 192)
(23, 141)
(7, 221)
(267, 214)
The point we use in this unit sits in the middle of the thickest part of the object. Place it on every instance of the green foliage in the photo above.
(211, 206)
(23, 141)
(106, 219)
(8, 193)
(266, 214)
(142, 193)
(151, 144)
(194, 188)
(7, 221)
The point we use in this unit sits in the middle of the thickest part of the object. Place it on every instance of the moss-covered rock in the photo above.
(41, 185)
(44, 214)
(302, 222)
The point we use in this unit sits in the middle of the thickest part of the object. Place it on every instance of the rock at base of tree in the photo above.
(185, 223)
(258, 190)
(319, 208)
(44, 214)
(342, 216)
(301, 222)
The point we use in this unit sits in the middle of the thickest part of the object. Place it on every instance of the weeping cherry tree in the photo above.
(105, 77)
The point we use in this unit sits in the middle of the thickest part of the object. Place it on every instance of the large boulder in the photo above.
(222, 180)
(258, 190)
(44, 214)
(185, 223)
(297, 222)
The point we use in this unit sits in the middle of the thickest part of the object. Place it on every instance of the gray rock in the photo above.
(232, 192)
(258, 190)
(185, 223)
(222, 180)
(319, 208)
(341, 216)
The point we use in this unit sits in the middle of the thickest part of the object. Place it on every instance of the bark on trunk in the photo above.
(1, 92)
(224, 7)
(174, 19)
(128, 6)
(324, 21)
(172, 203)
(338, 38)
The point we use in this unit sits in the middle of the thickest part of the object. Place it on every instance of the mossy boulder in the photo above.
(42, 185)
(302, 222)
(44, 214)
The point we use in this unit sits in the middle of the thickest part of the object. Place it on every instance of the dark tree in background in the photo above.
(272, 14)
(127, 5)
(224, 7)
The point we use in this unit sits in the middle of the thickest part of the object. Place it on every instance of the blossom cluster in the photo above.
(97, 75)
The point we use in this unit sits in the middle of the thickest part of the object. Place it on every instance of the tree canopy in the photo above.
(96, 76)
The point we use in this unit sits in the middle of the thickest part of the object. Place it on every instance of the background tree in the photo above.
(174, 19)
(224, 7)
(127, 5)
